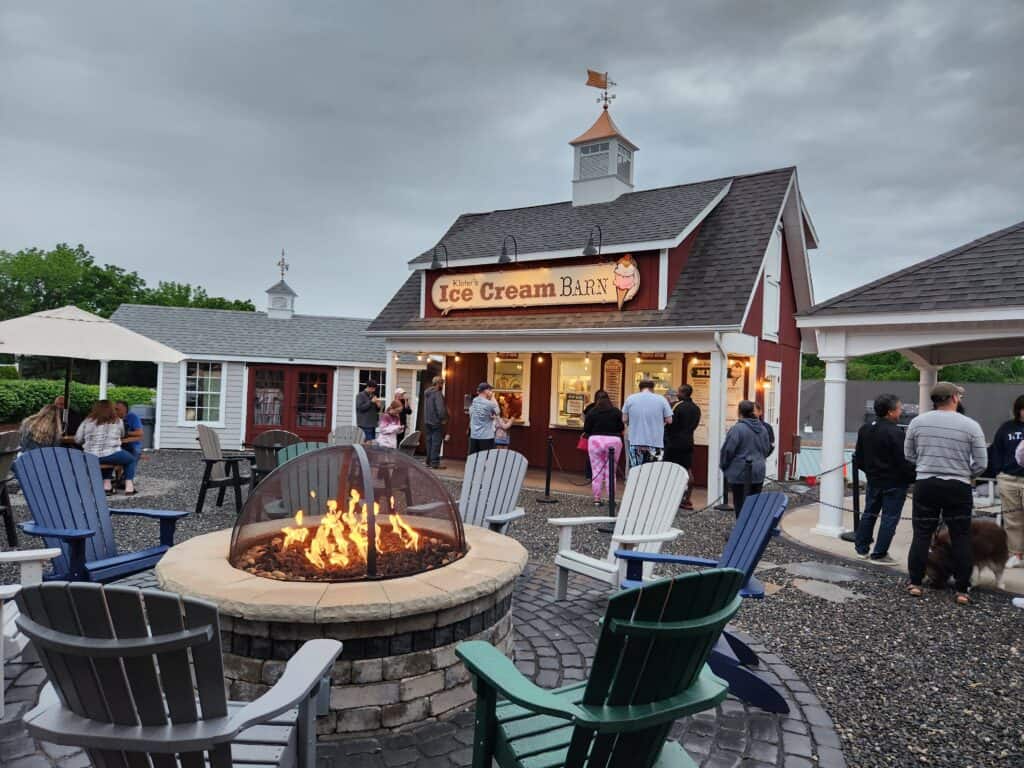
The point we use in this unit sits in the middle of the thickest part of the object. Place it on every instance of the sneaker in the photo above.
(440, 466)
(1016, 561)
(862, 556)
(598, 502)
(1018, 602)
(884, 560)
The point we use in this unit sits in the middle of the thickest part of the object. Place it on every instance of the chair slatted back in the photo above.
(752, 532)
(267, 444)
(650, 502)
(347, 434)
(289, 452)
(209, 444)
(491, 484)
(307, 485)
(9, 444)
(64, 489)
(410, 443)
(130, 657)
(654, 643)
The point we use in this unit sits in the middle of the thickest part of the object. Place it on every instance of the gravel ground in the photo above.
(907, 682)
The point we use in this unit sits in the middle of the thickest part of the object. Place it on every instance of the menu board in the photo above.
(699, 377)
(574, 403)
(613, 371)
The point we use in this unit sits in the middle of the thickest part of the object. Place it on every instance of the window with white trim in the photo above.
(624, 168)
(203, 392)
(772, 281)
(510, 377)
(594, 160)
(572, 387)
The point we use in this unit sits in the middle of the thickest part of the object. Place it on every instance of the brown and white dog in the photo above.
(988, 550)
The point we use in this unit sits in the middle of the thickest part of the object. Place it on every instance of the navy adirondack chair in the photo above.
(64, 491)
(757, 523)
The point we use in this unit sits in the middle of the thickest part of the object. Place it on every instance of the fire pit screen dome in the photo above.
(346, 513)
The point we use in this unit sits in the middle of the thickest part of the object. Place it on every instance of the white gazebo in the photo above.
(960, 306)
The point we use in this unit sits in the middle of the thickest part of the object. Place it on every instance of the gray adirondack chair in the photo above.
(221, 472)
(132, 701)
(347, 434)
(12, 642)
(490, 489)
(410, 443)
(9, 444)
(644, 521)
(266, 447)
(649, 670)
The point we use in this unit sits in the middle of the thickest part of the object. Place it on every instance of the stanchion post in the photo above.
(725, 506)
(547, 497)
(611, 466)
(852, 535)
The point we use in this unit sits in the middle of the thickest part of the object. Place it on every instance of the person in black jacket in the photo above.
(679, 436)
(1010, 476)
(879, 454)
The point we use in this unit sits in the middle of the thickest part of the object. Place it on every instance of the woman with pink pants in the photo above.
(603, 428)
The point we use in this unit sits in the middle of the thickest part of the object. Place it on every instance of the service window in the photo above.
(661, 371)
(510, 377)
(572, 387)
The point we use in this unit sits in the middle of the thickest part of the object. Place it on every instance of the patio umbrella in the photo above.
(75, 334)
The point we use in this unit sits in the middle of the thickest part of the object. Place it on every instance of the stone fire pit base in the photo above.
(398, 663)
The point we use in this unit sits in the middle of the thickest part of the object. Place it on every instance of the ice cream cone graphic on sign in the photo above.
(627, 279)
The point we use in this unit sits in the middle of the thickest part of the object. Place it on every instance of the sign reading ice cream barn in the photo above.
(614, 283)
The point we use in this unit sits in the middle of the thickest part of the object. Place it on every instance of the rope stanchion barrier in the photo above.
(547, 498)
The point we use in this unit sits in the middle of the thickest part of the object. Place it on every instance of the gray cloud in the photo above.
(191, 141)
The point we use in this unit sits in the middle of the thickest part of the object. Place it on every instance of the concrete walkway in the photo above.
(799, 522)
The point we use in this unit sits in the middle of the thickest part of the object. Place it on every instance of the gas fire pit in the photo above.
(364, 545)
(347, 513)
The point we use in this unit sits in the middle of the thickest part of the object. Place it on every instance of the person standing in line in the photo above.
(1010, 479)
(435, 418)
(101, 434)
(603, 429)
(406, 412)
(879, 453)
(679, 436)
(645, 415)
(743, 453)
(368, 410)
(759, 413)
(483, 413)
(949, 451)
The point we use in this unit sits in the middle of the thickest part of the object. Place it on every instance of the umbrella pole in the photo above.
(67, 394)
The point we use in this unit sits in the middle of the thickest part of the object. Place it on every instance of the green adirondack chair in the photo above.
(649, 670)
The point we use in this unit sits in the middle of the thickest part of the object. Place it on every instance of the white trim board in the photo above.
(958, 317)
(247, 359)
(245, 403)
(611, 248)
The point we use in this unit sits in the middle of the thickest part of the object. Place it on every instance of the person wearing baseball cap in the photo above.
(949, 450)
(483, 412)
(406, 411)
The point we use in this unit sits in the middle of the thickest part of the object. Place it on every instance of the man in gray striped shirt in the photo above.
(949, 450)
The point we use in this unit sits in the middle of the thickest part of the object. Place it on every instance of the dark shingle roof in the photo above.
(636, 217)
(253, 334)
(713, 290)
(978, 274)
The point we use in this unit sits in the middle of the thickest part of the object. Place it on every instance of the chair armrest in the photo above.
(303, 672)
(66, 534)
(508, 517)
(29, 555)
(647, 538)
(562, 522)
(156, 514)
(660, 557)
(492, 666)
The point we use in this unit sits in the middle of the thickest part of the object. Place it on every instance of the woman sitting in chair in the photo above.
(42, 429)
(100, 434)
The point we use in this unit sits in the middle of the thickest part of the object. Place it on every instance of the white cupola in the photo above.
(602, 163)
(280, 301)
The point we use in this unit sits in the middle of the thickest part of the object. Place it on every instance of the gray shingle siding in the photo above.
(253, 335)
(982, 273)
(713, 289)
(176, 435)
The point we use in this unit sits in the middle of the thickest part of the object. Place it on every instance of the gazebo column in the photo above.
(104, 364)
(391, 374)
(927, 376)
(833, 444)
(716, 423)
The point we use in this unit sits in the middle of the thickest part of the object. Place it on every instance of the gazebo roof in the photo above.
(980, 274)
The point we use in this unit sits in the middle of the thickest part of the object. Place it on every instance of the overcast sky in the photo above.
(192, 141)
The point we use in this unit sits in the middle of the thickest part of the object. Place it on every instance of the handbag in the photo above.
(581, 444)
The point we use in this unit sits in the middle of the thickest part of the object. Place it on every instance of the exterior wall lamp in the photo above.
(436, 262)
(503, 257)
(589, 249)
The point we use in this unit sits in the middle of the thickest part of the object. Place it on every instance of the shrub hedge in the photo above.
(9, 372)
(22, 397)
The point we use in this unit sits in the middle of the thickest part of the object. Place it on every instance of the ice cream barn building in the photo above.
(697, 283)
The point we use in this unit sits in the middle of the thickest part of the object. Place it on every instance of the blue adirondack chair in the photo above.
(64, 491)
(757, 523)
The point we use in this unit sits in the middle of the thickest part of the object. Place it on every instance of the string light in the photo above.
(457, 357)
(639, 360)
(540, 358)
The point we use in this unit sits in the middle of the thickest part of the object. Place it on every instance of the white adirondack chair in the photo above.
(12, 642)
(644, 522)
(490, 489)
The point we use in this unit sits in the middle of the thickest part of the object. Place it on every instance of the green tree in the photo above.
(892, 366)
(172, 294)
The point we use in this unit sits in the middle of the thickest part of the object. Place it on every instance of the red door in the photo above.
(292, 397)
